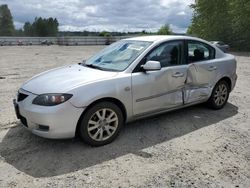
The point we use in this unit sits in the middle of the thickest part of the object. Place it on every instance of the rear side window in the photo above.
(198, 51)
(168, 54)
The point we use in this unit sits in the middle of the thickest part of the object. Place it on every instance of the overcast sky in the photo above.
(99, 15)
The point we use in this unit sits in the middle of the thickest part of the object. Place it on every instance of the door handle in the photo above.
(178, 74)
(212, 68)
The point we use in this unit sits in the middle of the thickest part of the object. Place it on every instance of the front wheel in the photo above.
(101, 124)
(219, 96)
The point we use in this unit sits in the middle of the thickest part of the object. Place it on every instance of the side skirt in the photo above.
(162, 111)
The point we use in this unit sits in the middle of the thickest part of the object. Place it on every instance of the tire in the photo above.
(219, 96)
(101, 124)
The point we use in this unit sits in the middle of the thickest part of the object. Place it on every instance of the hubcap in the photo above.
(102, 124)
(220, 95)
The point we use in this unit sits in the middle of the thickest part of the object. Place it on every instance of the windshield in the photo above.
(118, 56)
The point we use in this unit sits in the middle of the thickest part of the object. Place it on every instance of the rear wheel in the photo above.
(219, 95)
(101, 124)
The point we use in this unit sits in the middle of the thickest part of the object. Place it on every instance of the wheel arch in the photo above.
(105, 99)
(228, 80)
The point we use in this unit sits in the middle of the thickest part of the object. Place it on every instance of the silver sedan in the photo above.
(130, 79)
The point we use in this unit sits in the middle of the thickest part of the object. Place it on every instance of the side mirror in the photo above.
(151, 66)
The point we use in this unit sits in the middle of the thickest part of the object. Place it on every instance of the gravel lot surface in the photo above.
(192, 147)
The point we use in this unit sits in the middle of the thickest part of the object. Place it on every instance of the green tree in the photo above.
(240, 13)
(6, 21)
(41, 27)
(28, 29)
(107, 35)
(104, 34)
(226, 20)
(52, 25)
(165, 30)
(19, 32)
(211, 20)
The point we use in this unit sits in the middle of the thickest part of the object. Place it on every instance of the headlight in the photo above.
(51, 99)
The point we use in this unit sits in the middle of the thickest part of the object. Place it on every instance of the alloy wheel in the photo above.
(220, 95)
(102, 124)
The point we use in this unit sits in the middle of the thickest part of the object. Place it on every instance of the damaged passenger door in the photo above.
(201, 72)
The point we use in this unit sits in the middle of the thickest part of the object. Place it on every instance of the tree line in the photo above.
(41, 27)
(226, 20)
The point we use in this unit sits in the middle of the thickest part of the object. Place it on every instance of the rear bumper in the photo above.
(233, 80)
(58, 121)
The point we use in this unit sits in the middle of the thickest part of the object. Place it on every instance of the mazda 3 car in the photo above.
(128, 80)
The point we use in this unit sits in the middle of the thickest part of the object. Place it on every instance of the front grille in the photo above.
(23, 121)
(21, 96)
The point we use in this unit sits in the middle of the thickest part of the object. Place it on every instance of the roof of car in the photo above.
(155, 38)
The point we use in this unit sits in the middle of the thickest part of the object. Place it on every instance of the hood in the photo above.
(63, 79)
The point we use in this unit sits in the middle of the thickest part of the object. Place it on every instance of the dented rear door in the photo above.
(201, 72)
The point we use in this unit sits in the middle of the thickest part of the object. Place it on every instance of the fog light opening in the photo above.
(43, 127)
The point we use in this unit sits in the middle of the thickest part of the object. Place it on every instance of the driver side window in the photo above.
(168, 54)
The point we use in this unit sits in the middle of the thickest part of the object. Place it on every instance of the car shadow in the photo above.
(39, 157)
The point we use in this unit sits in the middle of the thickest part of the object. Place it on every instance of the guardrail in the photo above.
(68, 41)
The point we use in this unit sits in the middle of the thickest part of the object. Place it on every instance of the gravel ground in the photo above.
(192, 147)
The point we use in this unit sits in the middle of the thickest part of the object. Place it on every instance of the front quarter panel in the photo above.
(118, 87)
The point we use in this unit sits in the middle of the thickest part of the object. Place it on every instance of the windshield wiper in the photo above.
(93, 66)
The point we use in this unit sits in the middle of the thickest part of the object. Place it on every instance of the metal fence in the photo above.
(68, 41)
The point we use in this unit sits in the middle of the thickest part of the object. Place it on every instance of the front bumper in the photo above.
(61, 120)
